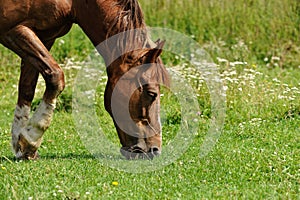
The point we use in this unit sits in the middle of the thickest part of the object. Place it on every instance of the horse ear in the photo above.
(160, 44)
(154, 53)
(157, 42)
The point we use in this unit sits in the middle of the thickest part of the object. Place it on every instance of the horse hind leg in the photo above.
(27, 133)
(27, 85)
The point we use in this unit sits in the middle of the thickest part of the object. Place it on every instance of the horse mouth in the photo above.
(137, 153)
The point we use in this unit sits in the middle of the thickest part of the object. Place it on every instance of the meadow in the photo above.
(255, 45)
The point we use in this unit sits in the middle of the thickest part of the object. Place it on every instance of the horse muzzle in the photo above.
(135, 152)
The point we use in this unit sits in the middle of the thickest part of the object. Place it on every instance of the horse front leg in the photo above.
(27, 133)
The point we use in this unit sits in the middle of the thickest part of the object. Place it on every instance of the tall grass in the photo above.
(253, 31)
(267, 28)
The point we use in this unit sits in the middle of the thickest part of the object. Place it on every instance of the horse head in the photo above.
(132, 97)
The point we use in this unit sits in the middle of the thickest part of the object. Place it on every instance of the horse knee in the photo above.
(55, 81)
(61, 80)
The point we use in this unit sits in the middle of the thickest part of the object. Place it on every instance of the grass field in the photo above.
(256, 46)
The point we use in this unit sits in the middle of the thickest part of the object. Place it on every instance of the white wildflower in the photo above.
(222, 60)
(276, 80)
(291, 98)
(237, 63)
(275, 58)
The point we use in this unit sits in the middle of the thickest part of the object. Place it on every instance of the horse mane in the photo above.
(127, 19)
(129, 16)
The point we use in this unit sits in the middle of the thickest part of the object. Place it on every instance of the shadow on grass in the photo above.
(80, 156)
(66, 156)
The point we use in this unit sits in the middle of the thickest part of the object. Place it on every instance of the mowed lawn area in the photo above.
(255, 46)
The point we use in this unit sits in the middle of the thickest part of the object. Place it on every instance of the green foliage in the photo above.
(234, 30)
(76, 45)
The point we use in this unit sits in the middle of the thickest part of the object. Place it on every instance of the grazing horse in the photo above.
(30, 27)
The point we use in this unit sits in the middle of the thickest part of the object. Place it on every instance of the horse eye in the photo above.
(129, 57)
(141, 60)
(153, 95)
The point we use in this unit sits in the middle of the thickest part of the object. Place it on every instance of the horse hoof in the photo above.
(28, 156)
(34, 156)
(25, 150)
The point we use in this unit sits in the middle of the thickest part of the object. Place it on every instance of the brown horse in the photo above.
(30, 27)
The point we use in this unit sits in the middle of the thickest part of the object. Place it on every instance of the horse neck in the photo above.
(97, 18)
(91, 15)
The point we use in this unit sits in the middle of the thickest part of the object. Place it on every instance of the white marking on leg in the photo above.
(32, 129)
(19, 154)
(21, 118)
(39, 123)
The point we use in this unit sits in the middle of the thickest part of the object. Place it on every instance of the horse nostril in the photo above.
(136, 152)
(133, 153)
(155, 151)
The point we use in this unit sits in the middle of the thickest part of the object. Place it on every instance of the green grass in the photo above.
(256, 157)
(234, 30)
